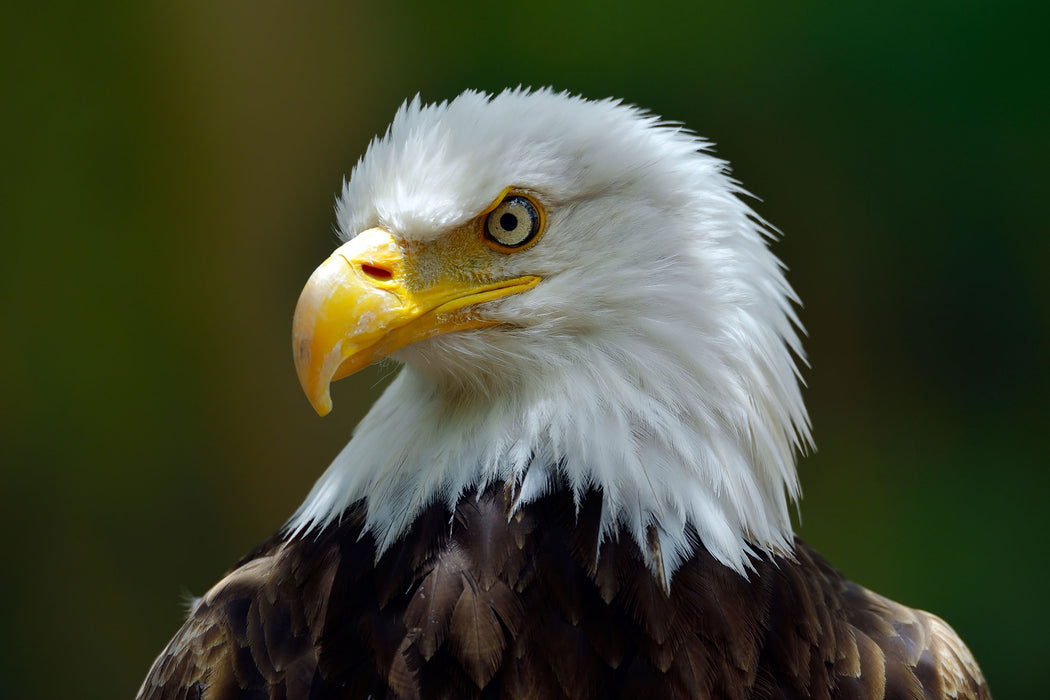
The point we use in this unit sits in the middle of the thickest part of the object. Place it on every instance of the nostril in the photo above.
(379, 273)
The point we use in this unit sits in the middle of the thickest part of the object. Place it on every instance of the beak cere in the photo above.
(361, 304)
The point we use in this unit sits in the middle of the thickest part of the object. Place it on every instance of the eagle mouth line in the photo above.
(485, 293)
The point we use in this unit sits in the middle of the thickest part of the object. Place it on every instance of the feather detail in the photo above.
(475, 634)
(431, 608)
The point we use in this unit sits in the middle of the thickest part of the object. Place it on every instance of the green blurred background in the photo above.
(168, 176)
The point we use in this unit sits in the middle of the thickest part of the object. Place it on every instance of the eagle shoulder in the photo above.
(253, 634)
(887, 650)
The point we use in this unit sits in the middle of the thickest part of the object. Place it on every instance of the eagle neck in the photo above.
(673, 474)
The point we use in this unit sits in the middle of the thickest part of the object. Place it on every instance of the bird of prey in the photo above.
(579, 484)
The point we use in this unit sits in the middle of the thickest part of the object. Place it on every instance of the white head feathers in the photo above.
(655, 361)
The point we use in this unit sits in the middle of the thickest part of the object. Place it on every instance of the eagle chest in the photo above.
(479, 604)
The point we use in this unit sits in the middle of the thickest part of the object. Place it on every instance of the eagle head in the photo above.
(581, 299)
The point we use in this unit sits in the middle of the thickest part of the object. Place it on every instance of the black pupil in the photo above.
(508, 221)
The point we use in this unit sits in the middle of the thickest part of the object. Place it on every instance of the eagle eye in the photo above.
(513, 224)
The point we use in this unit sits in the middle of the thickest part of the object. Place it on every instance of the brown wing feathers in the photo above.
(520, 607)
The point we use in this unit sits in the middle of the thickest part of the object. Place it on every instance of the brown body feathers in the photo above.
(478, 605)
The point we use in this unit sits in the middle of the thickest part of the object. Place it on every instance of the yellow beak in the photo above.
(366, 301)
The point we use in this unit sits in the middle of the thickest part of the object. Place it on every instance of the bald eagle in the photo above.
(579, 484)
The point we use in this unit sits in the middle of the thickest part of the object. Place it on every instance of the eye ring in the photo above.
(512, 224)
